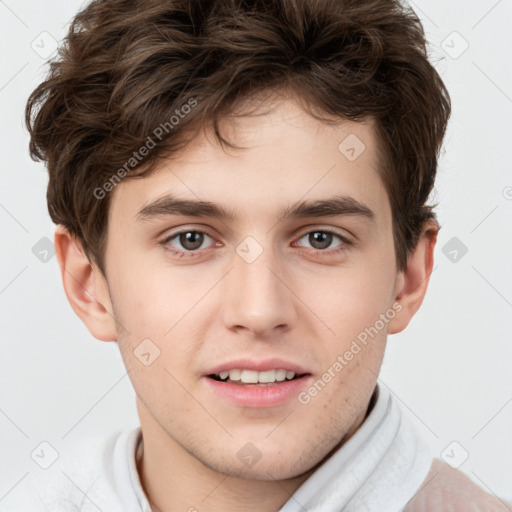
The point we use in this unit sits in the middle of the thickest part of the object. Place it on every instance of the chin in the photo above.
(269, 470)
(269, 463)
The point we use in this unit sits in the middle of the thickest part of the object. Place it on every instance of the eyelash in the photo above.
(346, 244)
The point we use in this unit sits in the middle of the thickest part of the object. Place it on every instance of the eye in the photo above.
(322, 239)
(186, 242)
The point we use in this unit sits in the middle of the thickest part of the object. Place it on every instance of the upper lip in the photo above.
(257, 365)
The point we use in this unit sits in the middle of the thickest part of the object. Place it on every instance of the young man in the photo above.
(240, 189)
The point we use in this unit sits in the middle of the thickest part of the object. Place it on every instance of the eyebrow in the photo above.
(335, 206)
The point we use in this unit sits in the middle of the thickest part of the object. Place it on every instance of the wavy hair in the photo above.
(127, 66)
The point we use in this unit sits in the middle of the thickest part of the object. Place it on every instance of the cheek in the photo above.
(156, 309)
(351, 299)
(351, 302)
(151, 297)
(158, 371)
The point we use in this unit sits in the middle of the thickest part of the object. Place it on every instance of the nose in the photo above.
(258, 297)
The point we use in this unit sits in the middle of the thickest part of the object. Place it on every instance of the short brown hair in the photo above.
(129, 66)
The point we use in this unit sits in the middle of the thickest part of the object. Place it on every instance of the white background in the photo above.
(452, 368)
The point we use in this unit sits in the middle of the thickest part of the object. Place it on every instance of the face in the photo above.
(296, 280)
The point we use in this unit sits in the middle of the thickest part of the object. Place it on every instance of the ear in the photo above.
(411, 284)
(85, 287)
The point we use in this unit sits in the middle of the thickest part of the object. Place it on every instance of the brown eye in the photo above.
(321, 240)
(186, 241)
(191, 240)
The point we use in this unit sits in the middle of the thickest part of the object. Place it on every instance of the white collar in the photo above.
(379, 468)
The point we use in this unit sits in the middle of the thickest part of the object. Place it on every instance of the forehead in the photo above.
(285, 156)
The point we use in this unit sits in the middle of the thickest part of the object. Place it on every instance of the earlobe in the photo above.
(85, 287)
(413, 281)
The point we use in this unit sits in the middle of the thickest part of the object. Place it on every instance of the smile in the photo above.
(243, 376)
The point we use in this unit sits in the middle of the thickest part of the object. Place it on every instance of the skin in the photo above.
(291, 302)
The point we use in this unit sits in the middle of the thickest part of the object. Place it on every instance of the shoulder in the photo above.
(83, 478)
(449, 490)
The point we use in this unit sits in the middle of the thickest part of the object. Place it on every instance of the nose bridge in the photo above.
(257, 298)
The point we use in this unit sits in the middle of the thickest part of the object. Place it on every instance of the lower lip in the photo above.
(247, 395)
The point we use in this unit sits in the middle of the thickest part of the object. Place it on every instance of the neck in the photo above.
(173, 479)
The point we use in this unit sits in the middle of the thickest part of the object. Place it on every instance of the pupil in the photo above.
(191, 240)
(320, 238)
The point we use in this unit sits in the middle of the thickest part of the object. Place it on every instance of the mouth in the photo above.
(253, 383)
(245, 377)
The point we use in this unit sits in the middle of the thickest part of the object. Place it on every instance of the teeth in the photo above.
(235, 374)
(280, 375)
(254, 377)
(268, 376)
(249, 377)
